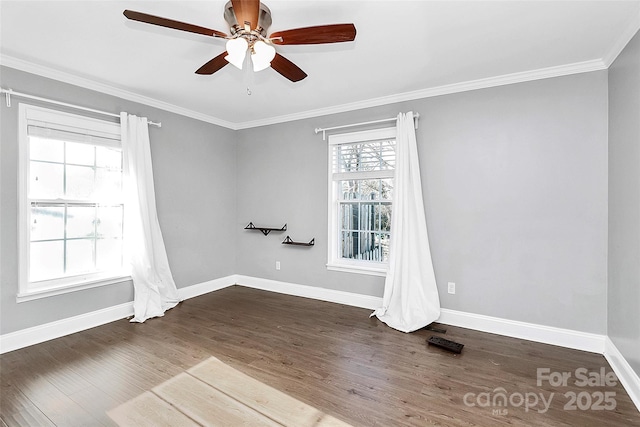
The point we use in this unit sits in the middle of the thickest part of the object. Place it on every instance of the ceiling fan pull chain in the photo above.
(248, 73)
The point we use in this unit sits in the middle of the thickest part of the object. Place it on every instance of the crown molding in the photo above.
(630, 30)
(543, 73)
(62, 76)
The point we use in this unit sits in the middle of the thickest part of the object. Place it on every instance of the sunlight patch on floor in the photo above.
(213, 393)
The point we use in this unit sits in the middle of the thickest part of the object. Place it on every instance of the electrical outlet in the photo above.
(277, 265)
(451, 287)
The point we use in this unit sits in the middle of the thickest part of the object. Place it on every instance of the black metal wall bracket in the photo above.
(288, 241)
(265, 230)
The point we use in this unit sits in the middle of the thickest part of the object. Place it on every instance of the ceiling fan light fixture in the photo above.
(236, 51)
(262, 55)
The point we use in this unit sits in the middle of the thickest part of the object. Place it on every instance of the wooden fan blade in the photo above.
(335, 33)
(214, 65)
(246, 11)
(287, 68)
(170, 23)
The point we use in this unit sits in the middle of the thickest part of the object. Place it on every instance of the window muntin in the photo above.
(361, 188)
(71, 201)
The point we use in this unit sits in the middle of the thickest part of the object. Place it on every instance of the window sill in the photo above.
(358, 269)
(46, 292)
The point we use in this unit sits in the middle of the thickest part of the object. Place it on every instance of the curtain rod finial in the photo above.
(7, 95)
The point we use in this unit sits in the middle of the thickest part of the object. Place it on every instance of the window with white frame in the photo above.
(71, 202)
(361, 177)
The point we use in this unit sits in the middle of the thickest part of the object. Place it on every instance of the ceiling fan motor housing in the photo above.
(264, 20)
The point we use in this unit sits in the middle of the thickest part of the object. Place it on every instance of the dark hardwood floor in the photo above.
(329, 356)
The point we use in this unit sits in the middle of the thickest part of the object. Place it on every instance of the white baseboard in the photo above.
(625, 373)
(48, 331)
(528, 331)
(206, 287)
(313, 292)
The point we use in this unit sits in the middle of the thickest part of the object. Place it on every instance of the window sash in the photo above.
(102, 184)
(100, 238)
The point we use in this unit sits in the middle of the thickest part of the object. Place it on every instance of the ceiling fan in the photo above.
(248, 22)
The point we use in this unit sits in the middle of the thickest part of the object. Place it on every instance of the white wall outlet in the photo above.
(277, 265)
(451, 286)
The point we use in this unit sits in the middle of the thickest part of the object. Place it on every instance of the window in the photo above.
(71, 202)
(361, 170)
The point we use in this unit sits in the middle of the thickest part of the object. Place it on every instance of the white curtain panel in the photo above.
(410, 300)
(155, 290)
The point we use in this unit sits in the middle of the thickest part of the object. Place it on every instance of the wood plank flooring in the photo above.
(331, 357)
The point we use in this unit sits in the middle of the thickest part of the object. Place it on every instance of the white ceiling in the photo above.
(403, 50)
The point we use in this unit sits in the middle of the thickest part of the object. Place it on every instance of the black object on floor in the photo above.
(446, 344)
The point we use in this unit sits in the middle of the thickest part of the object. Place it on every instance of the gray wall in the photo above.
(515, 187)
(194, 174)
(624, 203)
